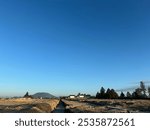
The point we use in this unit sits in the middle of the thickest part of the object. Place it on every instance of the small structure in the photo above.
(85, 96)
(81, 96)
(72, 96)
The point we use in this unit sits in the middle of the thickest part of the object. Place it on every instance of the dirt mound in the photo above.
(108, 106)
(28, 105)
(36, 108)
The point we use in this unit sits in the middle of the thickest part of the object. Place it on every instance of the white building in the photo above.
(72, 96)
(81, 96)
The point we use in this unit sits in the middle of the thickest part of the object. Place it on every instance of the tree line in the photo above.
(139, 93)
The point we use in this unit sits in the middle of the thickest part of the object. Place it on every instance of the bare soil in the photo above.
(27, 105)
(107, 106)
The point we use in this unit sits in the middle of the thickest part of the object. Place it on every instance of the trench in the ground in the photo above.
(61, 108)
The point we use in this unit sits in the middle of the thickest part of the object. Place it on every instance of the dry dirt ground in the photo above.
(107, 106)
(25, 105)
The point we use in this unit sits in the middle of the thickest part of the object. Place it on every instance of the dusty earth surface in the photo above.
(27, 105)
(107, 106)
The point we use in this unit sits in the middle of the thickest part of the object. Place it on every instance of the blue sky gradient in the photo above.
(64, 47)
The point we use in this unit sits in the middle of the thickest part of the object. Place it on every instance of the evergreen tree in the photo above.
(102, 92)
(149, 91)
(143, 89)
(78, 94)
(98, 95)
(108, 94)
(134, 95)
(128, 95)
(116, 95)
(122, 96)
(26, 95)
(137, 94)
(113, 94)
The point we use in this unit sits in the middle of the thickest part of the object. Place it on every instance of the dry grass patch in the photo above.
(24, 105)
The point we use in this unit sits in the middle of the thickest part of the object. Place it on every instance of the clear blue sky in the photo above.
(69, 46)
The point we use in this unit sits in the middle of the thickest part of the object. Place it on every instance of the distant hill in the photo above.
(43, 95)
